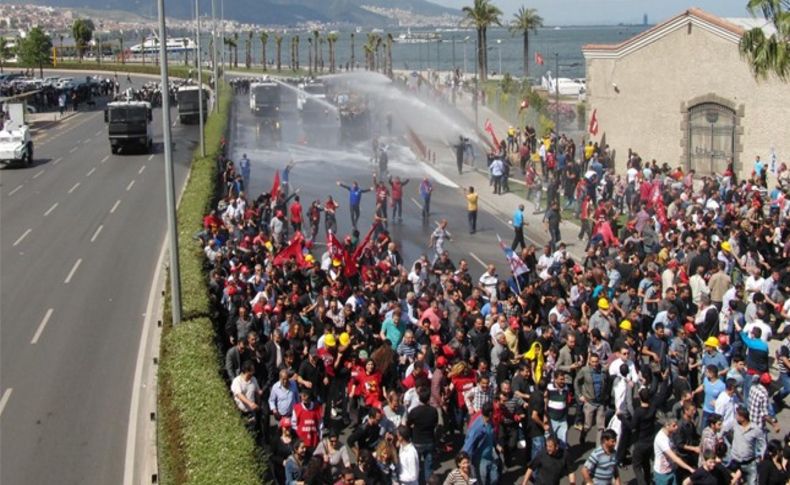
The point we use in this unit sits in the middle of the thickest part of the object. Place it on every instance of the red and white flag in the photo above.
(538, 59)
(275, 185)
(593, 128)
(489, 127)
(524, 105)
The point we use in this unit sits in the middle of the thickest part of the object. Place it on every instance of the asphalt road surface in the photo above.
(320, 160)
(81, 233)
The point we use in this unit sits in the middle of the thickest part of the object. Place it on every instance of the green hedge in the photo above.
(196, 202)
(150, 68)
(201, 434)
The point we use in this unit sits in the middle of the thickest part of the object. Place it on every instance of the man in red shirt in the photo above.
(397, 197)
(307, 420)
(296, 215)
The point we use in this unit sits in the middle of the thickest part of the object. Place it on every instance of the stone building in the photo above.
(681, 93)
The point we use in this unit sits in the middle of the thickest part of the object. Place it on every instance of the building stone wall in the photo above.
(656, 84)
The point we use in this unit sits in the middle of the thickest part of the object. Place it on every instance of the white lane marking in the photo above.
(39, 174)
(416, 203)
(141, 170)
(49, 211)
(74, 187)
(57, 161)
(174, 123)
(115, 206)
(73, 270)
(4, 399)
(96, 234)
(104, 159)
(17, 189)
(41, 326)
(98, 133)
(90, 172)
(73, 149)
(478, 260)
(151, 157)
(436, 175)
(87, 140)
(137, 383)
(22, 237)
(129, 187)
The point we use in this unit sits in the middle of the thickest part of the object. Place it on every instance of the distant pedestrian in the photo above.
(471, 208)
(480, 444)
(497, 170)
(244, 166)
(397, 185)
(354, 198)
(552, 219)
(518, 228)
(426, 188)
(438, 238)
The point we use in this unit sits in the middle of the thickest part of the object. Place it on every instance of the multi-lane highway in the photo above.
(81, 235)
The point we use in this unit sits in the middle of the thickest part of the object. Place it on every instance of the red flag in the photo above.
(593, 129)
(489, 127)
(538, 59)
(334, 247)
(293, 250)
(276, 185)
(361, 246)
(524, 105)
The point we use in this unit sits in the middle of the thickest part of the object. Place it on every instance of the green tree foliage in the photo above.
(481, 15)
(524, 21)
(769, 54)
(82, 31)
(34, 49)
(5, 52)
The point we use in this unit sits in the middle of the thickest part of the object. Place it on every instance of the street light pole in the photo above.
(200, 77)
(214, 52)
(499, 48)
(170, 190)
(557, 92)
(477, 81)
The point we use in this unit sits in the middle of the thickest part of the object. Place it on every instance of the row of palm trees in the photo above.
(377, 50)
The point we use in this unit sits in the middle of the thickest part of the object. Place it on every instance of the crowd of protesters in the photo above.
(664, 346)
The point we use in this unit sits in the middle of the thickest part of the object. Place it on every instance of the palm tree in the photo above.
(293, 55)
(368, 48)
(315, 46)
(264, 38)
(309, 56)
(321, 52)
(389, 54)
(524, 21)
(331, 38)
(769, 54)
(5, 52)
(353, 56)
(481, 15)
(297, 52)
(142, 46)
(185, 41)
(278, 42)
(248, 46)
(235, 49)
(378, 53)
(120, 40)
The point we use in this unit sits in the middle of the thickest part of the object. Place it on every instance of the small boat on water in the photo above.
(175, 45)
(418, 37)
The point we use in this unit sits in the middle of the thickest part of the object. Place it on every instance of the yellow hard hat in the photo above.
(329, 340)
(712, 342)
(626, 325)
(335, 262)
(345, 339)
(603, 304)
(309, 258)
(726, 246)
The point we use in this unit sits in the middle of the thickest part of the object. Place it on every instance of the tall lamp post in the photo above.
(477, 81)
(557, 92)
(499, 48)
(466, 39)
(214, 52)
(200, 76)
(170, 190)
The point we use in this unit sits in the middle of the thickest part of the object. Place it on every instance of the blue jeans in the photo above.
(425, 453)
(784, 378)
(560, 429)
(664, 478)
(538, 442)
(488, 471)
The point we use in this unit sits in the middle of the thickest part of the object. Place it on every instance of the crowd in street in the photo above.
(665, 346)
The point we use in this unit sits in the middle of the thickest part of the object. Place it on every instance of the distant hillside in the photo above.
(280, 12)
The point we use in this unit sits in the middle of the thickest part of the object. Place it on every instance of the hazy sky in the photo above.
(610, 11)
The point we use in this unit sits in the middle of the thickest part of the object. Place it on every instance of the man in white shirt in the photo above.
(664, 457)
(698, 285)
(245, 389)
(766, 330)
(544, 263)
(725, 405)
(409, 459)
(488, 281)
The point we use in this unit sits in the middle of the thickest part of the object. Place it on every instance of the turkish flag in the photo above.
(593, 128)
(361, 246)
(489, 127)
(293, 250)
(275, 185)
(333, 246)
(538, 59)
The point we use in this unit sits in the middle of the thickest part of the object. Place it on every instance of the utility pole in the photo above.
(557, 92)
(170, 189)
(214, 53)
(200, 77)
(477, 82)
(222, 20)
(499, 48)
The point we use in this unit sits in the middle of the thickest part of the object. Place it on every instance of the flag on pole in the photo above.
(517, 266)
(363, 244)
(293, 250)
(489, 127)
(594, 123)
(275, 185)
(524, 105)
(333, 246)
(538, 59)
